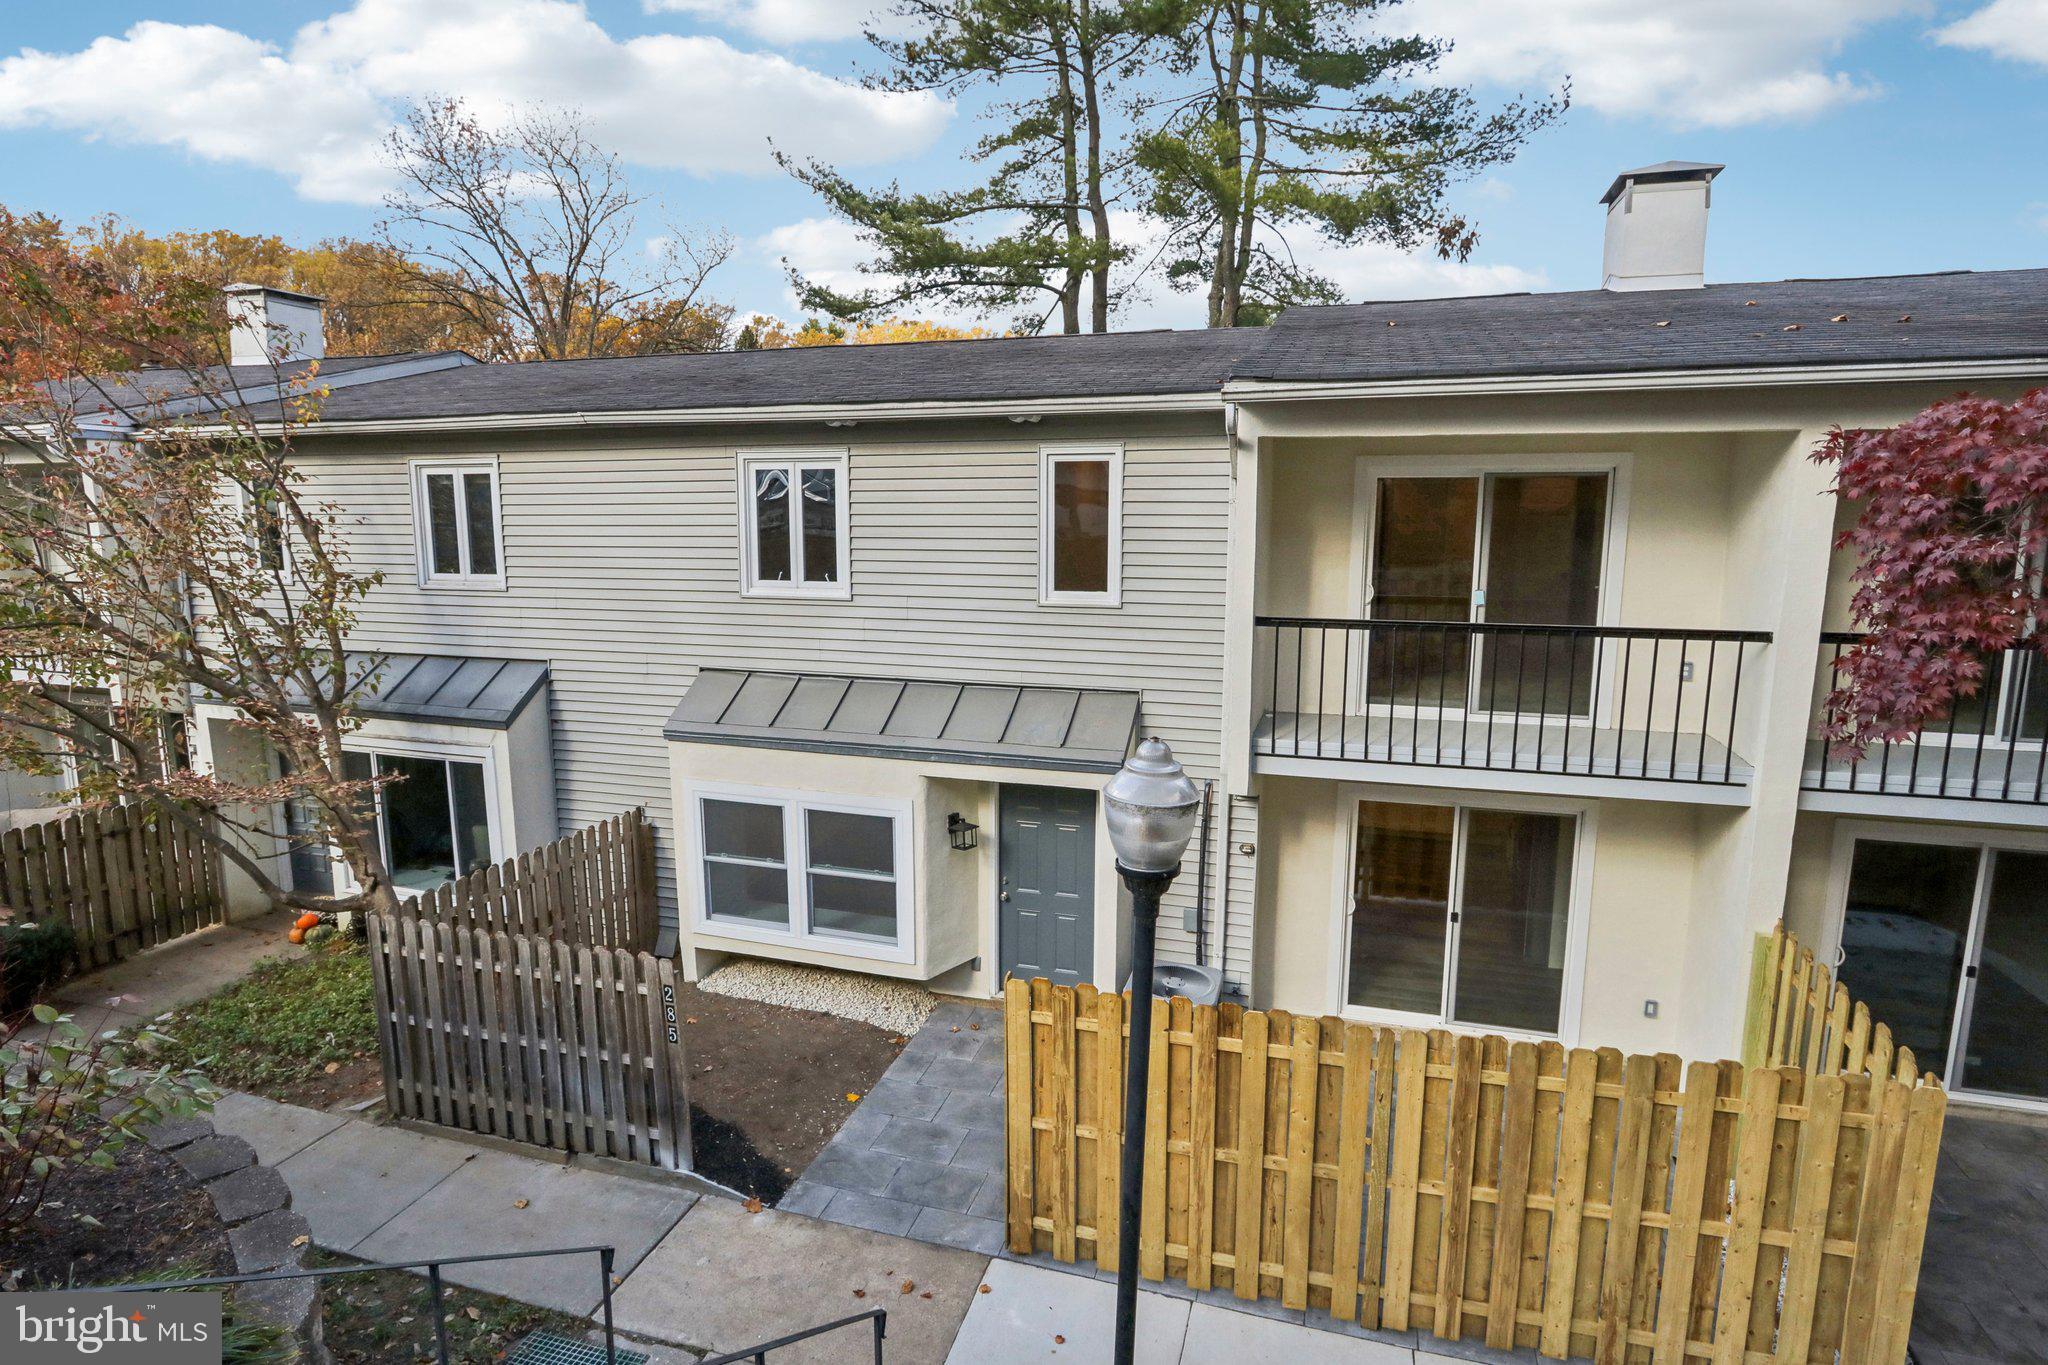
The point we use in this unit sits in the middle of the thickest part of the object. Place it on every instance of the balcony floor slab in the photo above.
(1558, 752)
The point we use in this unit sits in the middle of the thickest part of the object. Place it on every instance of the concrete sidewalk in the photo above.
(701, 1272)
(132, 992)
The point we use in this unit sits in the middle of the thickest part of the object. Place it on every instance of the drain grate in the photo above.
(549, 1348)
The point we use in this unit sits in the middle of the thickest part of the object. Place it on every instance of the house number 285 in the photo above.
(668, 1013)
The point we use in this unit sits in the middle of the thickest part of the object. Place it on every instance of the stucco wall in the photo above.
(1638, 906)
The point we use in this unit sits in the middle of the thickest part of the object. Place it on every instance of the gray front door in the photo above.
(1046, 860)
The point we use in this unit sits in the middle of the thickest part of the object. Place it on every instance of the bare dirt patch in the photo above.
(770, 1085)
(152, 1217)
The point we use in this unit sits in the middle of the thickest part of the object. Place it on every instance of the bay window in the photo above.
(433, 819)
(825, 873)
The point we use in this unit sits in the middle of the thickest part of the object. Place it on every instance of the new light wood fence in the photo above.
(1578, 1203)
(123, 878)
(532, 1040)
(595, 887)
(1799, 1015)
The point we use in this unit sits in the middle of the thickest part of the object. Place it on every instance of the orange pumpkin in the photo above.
(297, 935)
(307, 920)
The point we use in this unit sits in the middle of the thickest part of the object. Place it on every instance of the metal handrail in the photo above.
(606, 1256)
(1642, 703)
(1715, 636)
(1947, 757)
(758, 1354)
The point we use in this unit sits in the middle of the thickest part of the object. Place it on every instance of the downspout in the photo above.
(1202, 881)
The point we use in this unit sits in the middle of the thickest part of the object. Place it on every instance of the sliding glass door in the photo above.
(1507, 548)
(1948, 945)
(1461, 914)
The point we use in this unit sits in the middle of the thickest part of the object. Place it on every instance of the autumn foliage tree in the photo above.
(1951, 538)
(156, 544)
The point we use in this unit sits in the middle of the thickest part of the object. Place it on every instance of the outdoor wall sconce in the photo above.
(964, 832)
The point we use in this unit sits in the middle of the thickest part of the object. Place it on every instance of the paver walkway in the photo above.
(1984, 1278)
(922, 1154)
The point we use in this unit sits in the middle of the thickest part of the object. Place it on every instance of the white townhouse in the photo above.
(1493, 629)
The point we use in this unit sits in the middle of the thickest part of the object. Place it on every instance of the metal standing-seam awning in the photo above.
(1079, 729)
(446, 689)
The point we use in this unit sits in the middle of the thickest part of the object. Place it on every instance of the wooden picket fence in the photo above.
(1799, 1015)
(124, 878)
(1578, 1203)
(565, 1046)
(594, 887)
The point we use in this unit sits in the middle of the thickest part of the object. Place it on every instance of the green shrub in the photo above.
(283, 1022)
(34, 955)
(69, 1101)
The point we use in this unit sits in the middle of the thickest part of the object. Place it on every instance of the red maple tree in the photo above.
(1951, 537)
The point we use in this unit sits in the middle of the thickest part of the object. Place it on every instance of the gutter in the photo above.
(1779, 376)
(844, 414)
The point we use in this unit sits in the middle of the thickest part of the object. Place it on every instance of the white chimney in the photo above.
(266, 325)
(1657, 226)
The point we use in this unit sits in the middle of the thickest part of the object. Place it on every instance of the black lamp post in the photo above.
(1150, 808)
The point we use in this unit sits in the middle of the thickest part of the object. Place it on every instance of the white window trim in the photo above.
(1050, 456)
(494, 817)
(1578, 905)
(796, 862)
(1986, 840)
(422, 526)
(795, 460)
(1618, 466)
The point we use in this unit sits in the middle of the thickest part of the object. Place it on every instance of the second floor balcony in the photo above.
(1987, 749)
(1648, 711)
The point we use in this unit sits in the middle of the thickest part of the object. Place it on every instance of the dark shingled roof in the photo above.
(1112, 363)
(1992, 315)
(1959, 316)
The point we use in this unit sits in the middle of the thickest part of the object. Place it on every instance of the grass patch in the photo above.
(388, 1315)
(279, 1029)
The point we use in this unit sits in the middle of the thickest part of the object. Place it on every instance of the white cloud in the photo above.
(1689, 63)
(787, 21)
(318, 110)
(2004, 28)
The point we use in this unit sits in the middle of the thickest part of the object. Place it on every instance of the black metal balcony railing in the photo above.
(1585, 701)
(1987, 748)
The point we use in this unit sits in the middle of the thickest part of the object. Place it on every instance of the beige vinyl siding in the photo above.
(621, 559)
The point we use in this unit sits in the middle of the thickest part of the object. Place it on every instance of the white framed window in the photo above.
(793, 520)
(456, 523)
(1461, 914)
(828, 873)
(436, 822)
(1080, 525)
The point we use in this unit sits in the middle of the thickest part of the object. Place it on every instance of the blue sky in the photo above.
(1861, 136)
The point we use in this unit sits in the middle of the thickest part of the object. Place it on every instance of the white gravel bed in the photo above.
(897, 1006)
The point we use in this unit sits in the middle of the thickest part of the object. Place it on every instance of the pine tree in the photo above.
(1304, 115)
(1034, 237)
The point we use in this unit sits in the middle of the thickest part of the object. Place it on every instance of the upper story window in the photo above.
(455, 514)
(1080, 518)
(793, 515)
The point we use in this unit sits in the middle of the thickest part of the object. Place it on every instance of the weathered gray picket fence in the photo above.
(125, 878)
(532, 1040)
(595, 886)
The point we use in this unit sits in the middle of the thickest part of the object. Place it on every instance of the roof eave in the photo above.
(1763, 376)
(850, 413)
